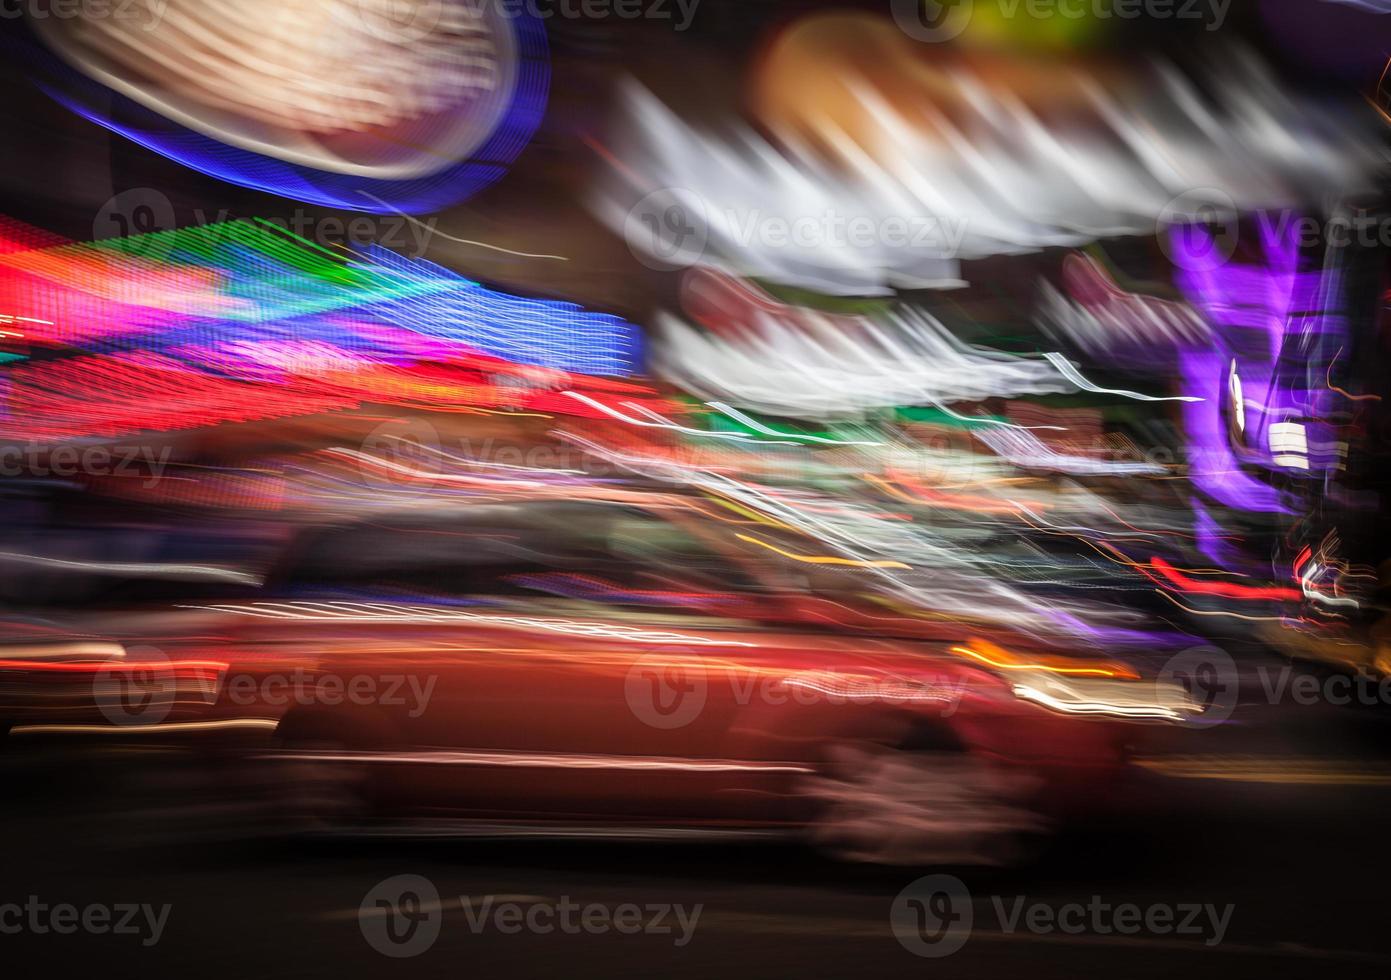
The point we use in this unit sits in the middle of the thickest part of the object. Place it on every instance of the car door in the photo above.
(561, 684)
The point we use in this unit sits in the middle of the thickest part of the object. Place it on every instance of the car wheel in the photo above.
(901, 806)
(321, 796)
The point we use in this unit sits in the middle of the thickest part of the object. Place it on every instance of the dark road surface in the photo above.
(1298, 853)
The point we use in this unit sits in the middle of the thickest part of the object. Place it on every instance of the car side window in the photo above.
(593, 554)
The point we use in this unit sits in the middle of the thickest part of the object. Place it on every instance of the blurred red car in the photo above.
(578, 669)
(666, 688)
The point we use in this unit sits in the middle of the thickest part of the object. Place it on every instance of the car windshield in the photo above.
(617, 556)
